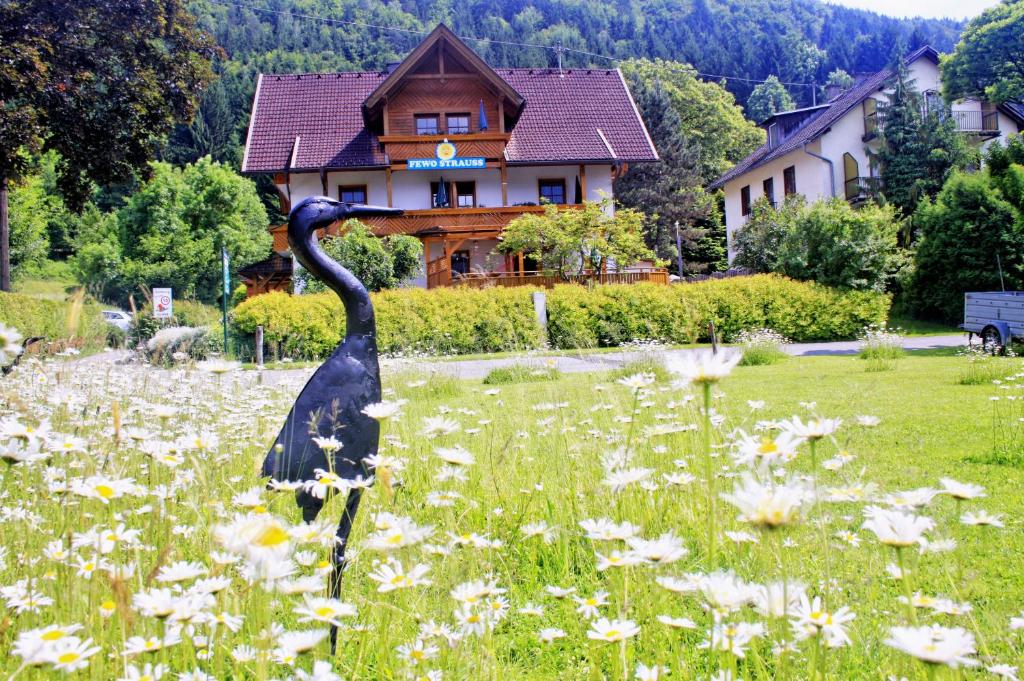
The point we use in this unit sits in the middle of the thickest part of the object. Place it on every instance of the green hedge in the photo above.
(462, 320)
(78, 324)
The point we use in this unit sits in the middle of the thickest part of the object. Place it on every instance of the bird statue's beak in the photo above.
(345, 211)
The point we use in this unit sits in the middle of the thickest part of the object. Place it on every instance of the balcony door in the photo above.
(851, 173)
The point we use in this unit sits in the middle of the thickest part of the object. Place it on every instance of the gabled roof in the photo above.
(441, 36)
(821, 122)
(1014, 110)
(315, 121)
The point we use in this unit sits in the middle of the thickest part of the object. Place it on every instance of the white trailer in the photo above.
(996, 316)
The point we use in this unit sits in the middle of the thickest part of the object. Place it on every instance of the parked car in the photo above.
(996, 316)
(121, 320)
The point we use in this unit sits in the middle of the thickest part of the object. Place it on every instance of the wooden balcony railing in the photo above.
(548, 279)
(458, 219)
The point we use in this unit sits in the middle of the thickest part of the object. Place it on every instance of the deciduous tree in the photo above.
(99, 81)
(988, 62)
(378, 263)
(768, 98)
(574, 240)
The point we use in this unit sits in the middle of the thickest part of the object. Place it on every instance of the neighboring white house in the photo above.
(821, 151)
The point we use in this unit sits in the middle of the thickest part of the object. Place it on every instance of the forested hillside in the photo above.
(799, 41)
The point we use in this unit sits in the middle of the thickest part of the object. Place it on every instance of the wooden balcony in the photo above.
(437, 221)
(548, 280)
(400, 148)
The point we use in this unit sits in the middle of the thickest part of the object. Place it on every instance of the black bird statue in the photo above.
(331, 404)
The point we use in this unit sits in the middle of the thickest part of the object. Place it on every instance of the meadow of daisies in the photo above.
(806, 520)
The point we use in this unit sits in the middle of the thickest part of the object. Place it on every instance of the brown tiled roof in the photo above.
(564, 120)
(821, 122)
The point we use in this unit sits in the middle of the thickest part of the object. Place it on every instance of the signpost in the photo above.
(446, 158)
(163, 303)
(226, 273)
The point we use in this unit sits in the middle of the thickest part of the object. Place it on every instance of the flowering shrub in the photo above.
(881, 342)
(62, 323)
(761, 346)
(179, 343)
(461, 320)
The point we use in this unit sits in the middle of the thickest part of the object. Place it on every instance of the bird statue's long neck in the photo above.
(302, 227)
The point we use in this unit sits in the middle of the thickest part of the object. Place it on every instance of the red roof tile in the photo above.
(564, 120)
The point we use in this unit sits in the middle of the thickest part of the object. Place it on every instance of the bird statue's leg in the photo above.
(309, 504)
(338, 555)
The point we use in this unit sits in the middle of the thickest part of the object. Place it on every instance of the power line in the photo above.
(558, 49)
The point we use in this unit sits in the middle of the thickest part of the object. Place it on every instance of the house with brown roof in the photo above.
(461, 147)
(822, 151)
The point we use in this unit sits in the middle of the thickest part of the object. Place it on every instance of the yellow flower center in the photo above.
(417, 655)
(767, 447)
(105, 491)
(54, 635)
(396, 539)
(259, 508)
(398, 579)
(67, 657)
(324, 611)
(612, 634)
(273, 535)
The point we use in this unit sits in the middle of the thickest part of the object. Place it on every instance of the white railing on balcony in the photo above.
(976, 121)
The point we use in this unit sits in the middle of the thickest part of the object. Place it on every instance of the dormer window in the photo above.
(458, 124)
(428, 124)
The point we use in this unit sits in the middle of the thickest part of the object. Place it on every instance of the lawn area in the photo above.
(46, 289)
(149, 521)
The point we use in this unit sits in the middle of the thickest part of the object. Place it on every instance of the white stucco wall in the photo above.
(304, 185)
(522, 182)
(812, 180)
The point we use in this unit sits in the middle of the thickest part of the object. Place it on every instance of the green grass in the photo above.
(520, 373)
(537, 448)
(47, 289)
(917, 327)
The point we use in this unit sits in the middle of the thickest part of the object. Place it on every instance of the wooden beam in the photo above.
(504, 182)
(387, 179)
(583, 181)
(387, 119)
(521, 265)
(501, 114)
(442, 76)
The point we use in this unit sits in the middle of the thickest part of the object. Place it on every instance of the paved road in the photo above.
(478, 368)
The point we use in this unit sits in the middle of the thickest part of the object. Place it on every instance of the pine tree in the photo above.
(900, 150)
(669, 192)
(918, 150)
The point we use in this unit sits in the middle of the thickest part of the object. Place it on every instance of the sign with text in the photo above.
(163, 303)
(445, 158)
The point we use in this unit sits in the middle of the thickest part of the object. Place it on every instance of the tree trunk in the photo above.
(5, 239)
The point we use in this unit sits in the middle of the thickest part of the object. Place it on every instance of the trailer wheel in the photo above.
(992, 340)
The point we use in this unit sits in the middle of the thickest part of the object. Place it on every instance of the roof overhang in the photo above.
(441, 34)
